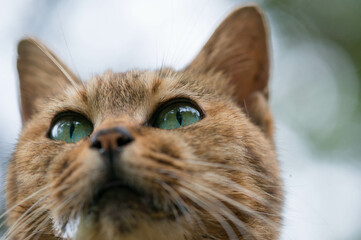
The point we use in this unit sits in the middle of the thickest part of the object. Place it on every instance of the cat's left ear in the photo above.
(41, 75)
(238, 48)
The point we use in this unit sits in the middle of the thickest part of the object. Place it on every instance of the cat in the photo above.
(150, 155)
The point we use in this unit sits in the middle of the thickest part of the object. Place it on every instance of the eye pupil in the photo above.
(71, 130)
(179, 117)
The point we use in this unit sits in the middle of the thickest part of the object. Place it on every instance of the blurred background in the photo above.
(315, 83)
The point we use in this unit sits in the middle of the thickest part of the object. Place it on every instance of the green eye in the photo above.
(71, 128)
(177, 115)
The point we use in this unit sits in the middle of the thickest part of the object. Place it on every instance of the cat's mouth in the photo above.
(119, 187)
(116, 198)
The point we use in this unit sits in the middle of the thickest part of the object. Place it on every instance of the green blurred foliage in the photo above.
(333, 21)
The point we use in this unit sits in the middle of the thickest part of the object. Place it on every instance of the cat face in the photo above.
(149, 155)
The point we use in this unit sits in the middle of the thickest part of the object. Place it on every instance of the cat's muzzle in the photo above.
(116, 197)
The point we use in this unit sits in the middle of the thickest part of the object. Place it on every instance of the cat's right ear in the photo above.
(239, 49)
(41, 75)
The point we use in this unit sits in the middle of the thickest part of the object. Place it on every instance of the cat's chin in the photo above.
(150, 230)
(121, 212)
(124, 205)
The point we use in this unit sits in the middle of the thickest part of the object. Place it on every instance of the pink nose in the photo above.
(111, 139)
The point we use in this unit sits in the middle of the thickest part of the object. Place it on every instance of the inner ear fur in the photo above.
(238, 48)
(41, 75)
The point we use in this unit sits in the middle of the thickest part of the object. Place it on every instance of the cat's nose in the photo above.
(111, 139)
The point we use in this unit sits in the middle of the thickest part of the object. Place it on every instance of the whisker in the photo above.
(22, 201)
(221, 220)
(24, 219)
(46, 218)
(230, 184)
(228, 167)
(29, 215)
(225, 211)
(38, 225)
(179, 202)
(239, 206)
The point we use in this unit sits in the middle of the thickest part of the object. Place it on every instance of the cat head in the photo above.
(158, 154)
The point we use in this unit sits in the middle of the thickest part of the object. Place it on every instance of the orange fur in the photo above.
(215, 179)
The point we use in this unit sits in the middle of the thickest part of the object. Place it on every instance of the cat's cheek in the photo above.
(75, 176)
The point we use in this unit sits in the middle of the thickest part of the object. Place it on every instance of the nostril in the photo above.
(123, 140)
(96, 144)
